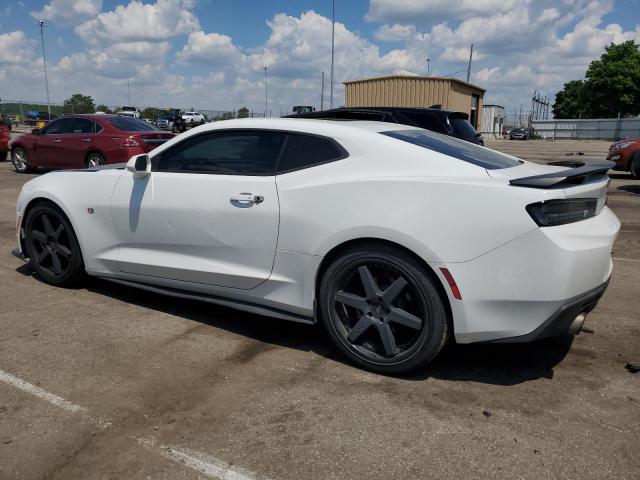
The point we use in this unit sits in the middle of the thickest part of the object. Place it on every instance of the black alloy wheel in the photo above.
(52, 246)
(383, 310)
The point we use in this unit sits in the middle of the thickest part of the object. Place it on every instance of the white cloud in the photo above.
(394, 32)
(15, 48)
(210, 49)
(68, 12)
(139, 21)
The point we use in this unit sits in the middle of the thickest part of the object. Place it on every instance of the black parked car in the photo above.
(519, 134)
(455, 124)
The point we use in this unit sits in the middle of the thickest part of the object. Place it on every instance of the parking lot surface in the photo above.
(105, 382)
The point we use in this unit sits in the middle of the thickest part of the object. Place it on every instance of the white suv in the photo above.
(193, 118)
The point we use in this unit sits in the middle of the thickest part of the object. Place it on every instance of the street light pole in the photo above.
(333, 37)
(44, 60)
(266, 93)
(428, 62)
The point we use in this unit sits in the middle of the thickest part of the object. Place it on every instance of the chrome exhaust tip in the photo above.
(576, 324)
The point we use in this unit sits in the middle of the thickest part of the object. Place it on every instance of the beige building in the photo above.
(416, 91)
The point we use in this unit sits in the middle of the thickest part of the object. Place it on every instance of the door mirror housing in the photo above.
(139, 165)
(36, 131)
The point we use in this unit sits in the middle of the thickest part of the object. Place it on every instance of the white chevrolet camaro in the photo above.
(396, 238)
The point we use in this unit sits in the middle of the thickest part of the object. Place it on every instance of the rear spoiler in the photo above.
(577, 174)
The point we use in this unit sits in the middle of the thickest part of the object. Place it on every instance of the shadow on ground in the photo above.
(495, 364)
(634, 189)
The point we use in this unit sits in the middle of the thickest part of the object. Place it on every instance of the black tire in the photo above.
(94, 160)
(52, 246)
(392, 325)
(634, 165)
(20, 160)
(3, 156)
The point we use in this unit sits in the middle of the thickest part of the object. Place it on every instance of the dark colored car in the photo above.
(79, 141)
(519, 134)
(454, 124)
(626, 154)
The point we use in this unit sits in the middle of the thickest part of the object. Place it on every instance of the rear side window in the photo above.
(82, 125)
(460, 149)
(303, 151)
(127, 124)
(426, 120)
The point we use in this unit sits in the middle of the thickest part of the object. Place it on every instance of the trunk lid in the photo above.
(150, 140)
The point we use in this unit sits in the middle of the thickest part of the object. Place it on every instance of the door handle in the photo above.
(57, 140)
(86, 139)
(247, 198)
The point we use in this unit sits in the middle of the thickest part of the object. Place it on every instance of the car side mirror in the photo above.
(36, 131)
(139, 165)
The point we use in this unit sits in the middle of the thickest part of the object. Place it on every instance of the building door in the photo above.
(473, 116)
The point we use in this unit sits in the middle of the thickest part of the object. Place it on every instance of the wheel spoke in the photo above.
(55, 263)
(58, 231)
(64, 251)
(42, 255)
(359, 303)
(39, 236)
(359, 328)
(368, 282)
(388, 340)
(402, 317)
(48, 229)
(390, 294)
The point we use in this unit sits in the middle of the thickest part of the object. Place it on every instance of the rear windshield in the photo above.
(462, 127)
(460, 149)
(127, 124)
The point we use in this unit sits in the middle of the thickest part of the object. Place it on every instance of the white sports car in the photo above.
(396, 238)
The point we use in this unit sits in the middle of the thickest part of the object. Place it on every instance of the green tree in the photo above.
(79, 103)
(104, 108)
(570, 100)
(243, 112)
(150, 113)
(611, 86)
(612, 83)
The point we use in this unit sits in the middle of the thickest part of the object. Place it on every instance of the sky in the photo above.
(211, 54)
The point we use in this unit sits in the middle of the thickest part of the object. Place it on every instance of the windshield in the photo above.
(127, 124)
(460, 149)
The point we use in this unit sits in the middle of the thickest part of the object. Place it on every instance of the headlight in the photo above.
(623, 145)
(561, 212)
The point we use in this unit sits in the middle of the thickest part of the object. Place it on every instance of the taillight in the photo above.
(129, 142)
(561, 212)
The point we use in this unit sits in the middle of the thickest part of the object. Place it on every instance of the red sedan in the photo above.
(626, 154)
(5, 136)
(80, 141)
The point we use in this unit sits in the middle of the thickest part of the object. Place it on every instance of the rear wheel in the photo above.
(382, 310)
(20, 160)
(95, 160)
(52, 246)
(635, 164)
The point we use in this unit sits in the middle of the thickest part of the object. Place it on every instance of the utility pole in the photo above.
(128, 94)
(428, 62)
(322, 93)
(333, 39)
(266, 94)
(469, 66)
(44, 60)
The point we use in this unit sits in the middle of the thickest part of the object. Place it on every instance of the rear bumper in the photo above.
(540, 278)
(561, 321)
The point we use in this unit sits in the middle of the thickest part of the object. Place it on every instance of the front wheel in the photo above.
(52, 246)
(20, 160)
(382, 310)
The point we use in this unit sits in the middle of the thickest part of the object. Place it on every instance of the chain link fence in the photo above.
(582, 129)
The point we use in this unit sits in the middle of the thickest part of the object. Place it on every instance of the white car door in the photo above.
(207, 213)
